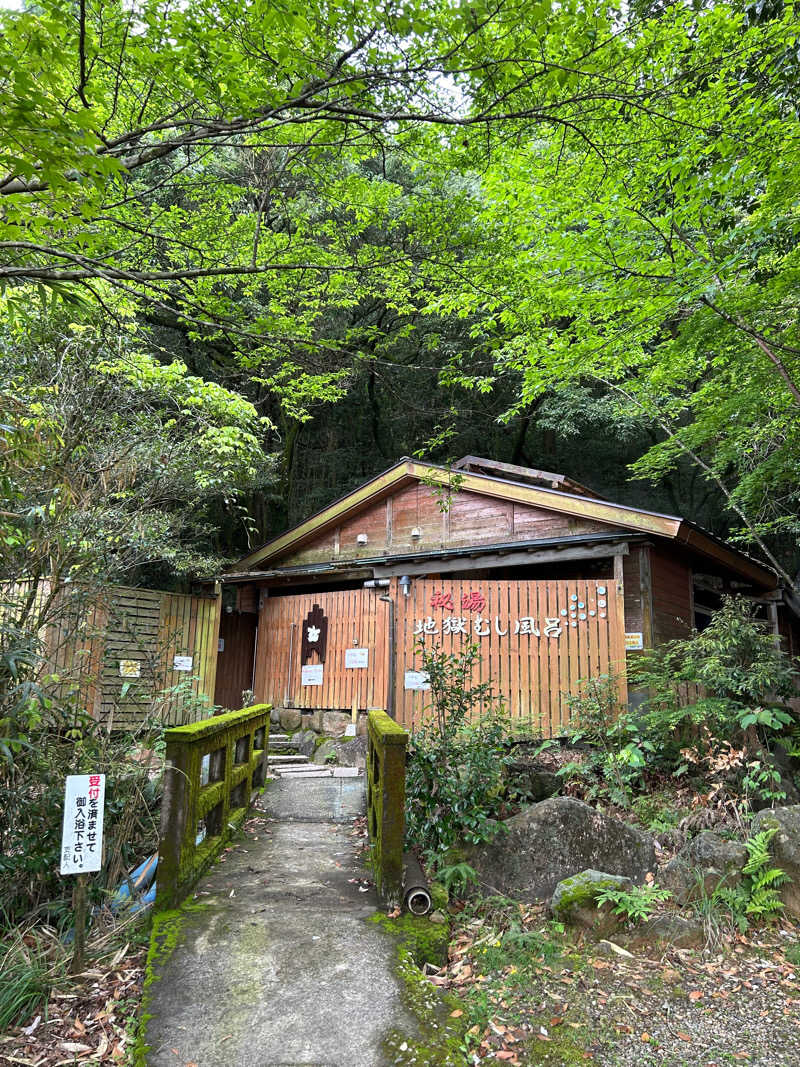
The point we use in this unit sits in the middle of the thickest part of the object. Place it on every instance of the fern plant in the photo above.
(762, 879)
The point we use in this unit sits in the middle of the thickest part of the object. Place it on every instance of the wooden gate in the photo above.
(357, 619)
(537, 641)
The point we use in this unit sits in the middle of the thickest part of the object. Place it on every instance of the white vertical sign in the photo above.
(82, 835)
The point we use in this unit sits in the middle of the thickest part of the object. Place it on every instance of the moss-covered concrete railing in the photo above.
(386, 802)
(213, 767)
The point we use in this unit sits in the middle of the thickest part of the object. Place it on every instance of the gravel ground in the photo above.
(737, 1004)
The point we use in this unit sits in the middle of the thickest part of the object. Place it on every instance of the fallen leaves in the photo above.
(86, 1025)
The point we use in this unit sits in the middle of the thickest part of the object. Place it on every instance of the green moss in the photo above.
(440, 898)
(424, 941)
(193, 730)
(579, 892)
(165, 933)
(563, 1048)
(440, 1040)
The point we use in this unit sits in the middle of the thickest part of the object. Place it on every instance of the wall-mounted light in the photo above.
(416, 533)
(361, 539)
(405, 584)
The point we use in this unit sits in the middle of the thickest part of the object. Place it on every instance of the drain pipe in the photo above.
(416, 895)
(390, 694)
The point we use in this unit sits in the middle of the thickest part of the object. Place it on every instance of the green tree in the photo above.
(653, 252)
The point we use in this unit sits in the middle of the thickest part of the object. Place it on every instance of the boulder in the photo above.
(573, 901)
(348, 753)
(334, 723)
(668, 928)
(710, 851)
(327, 748)
(305, 741)
(554, 839)
(702, 865)
(785, 848)
(291, 719)
(534, 781)
(275, 716)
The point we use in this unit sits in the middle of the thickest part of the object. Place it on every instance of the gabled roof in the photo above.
(577, 504)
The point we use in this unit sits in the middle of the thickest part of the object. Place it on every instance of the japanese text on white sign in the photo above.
(82, 835)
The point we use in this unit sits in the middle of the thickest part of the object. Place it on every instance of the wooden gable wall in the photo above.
(472, 519)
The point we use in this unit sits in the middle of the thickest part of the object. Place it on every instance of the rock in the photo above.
(316, 721)
(785, 849)
(305, 741)
(705, 863)
(583, 888)
(327, 748)
(291, 719)
(437, 917)
(348, 753)
(533, 781)
(361, 725)
(554, 839)
(334, 723)
(709, 850)
(611, 948)
(275, 716)
(574, 899)
(670, 928)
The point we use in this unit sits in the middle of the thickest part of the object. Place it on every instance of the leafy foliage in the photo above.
(756, 898)
(635, 904)
(455, 767)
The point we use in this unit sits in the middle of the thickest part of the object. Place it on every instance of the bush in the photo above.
(725, 734)
(454, 779)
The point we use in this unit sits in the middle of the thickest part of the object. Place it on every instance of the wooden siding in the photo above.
(532, 673)
(91, 632)
(472, 519)
(672, 595)
(356, 618)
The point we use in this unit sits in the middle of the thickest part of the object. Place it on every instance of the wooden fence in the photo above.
(125, 653)
(537, 641)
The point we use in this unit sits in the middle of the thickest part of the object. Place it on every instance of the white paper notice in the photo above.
(356, 657)
(130, 668)
(182, 663)
(311, 674)
(417, 680)
(82, 834)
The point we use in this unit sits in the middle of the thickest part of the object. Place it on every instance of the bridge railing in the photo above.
(386, 802)
(212, 769)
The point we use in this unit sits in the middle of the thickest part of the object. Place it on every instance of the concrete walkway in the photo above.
(279, 964)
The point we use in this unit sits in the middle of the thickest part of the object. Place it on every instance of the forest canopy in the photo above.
(317, 238)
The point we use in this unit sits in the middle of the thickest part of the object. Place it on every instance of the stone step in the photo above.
(279, 737)
(282, 744)
(280, 758)
(301, 768)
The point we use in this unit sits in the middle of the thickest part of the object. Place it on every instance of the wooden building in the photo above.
(552, 582)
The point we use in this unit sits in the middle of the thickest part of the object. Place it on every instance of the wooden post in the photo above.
(79, 900)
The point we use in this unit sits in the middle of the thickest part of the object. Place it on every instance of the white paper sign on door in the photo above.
(182, 663)
(82, 832)
(356, 657)
(311, 674)
(417, 680)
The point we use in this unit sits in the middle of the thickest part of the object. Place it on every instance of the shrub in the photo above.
(454, 779)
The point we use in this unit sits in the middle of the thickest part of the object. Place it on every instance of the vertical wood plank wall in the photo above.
(91, 632)
(357, 618)
(532, 674)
